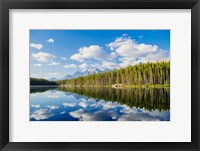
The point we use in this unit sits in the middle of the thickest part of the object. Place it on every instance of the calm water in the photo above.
(99, 104)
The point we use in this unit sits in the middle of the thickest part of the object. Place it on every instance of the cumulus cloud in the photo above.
(101, 115)
(43, 57)
(53, 96)
(112, 55)
(52, 63)
(138, 117)
(77, 113)
(70, 104)
(113, 114)
(94, 52)
(37, 65)
(108, 111)
(108, 105)
(63, 112)
(135, 114)
(125, 35)
(131, 52)
(63, 58)
(109, 65)
(84, 66)
(165, 115)
(70, 66)
(35, 105)
(50, 40)
(41, 114)
(97, 116)
(83, 104)
(54, 74)
(53, 107)
(36, 46)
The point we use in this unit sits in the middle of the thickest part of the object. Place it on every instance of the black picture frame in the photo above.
(5, 5)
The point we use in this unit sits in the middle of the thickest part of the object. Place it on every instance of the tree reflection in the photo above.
(148, 98)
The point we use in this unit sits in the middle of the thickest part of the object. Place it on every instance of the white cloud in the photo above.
(50, 40)
(37, 65)
(95, 65)
(109, 65)
(43, 57)
(112, 55)
(101, 115)
(83, 104)
(77, 113)
(108, 105)
(63, 58)
(138, 117)
(125, 35)
(107, 111)
(132, 53)
(34, 75)
(54, 74)
(63, 112)
(113, 114)
(71, 104)
(36, 46)
(52, 63)
(35, 105)
(53, 96)
(41, 114)
(93, 52)
(84, 66)
(97, 116)
(70, 66)
(135, 114)
(126, 61)
(53, 107)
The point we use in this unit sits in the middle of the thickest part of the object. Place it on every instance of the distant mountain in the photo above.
(83, 73)
(66, 77)
(53, 79)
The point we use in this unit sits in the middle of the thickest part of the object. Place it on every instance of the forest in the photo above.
(147, 74)
(39, 81)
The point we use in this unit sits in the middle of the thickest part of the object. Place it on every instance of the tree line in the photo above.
(39, 81)
(157, 73)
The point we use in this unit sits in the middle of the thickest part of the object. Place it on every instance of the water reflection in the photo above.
(99, 104)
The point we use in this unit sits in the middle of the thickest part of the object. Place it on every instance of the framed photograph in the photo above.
(99, 75)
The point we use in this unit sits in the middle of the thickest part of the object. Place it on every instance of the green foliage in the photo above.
(141, 74)
(39, 81)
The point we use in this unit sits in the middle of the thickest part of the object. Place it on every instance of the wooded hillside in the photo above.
(39, 81)
(141, 74)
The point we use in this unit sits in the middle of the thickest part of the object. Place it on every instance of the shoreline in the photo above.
(115, 86)
(118, 86)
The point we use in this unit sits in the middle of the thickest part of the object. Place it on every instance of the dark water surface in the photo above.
(99, 104)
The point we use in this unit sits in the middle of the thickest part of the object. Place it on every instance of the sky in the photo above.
(56, 53)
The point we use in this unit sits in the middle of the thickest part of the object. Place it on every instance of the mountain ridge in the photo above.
(83, 73)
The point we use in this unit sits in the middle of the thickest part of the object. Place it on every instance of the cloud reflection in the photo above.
(107, 111)
(35, 105)
(41, 114)
(53, 107)
(70, 104)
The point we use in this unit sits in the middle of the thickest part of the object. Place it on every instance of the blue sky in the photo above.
(56, 53)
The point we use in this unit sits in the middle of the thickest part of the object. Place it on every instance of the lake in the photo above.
(99, 104)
